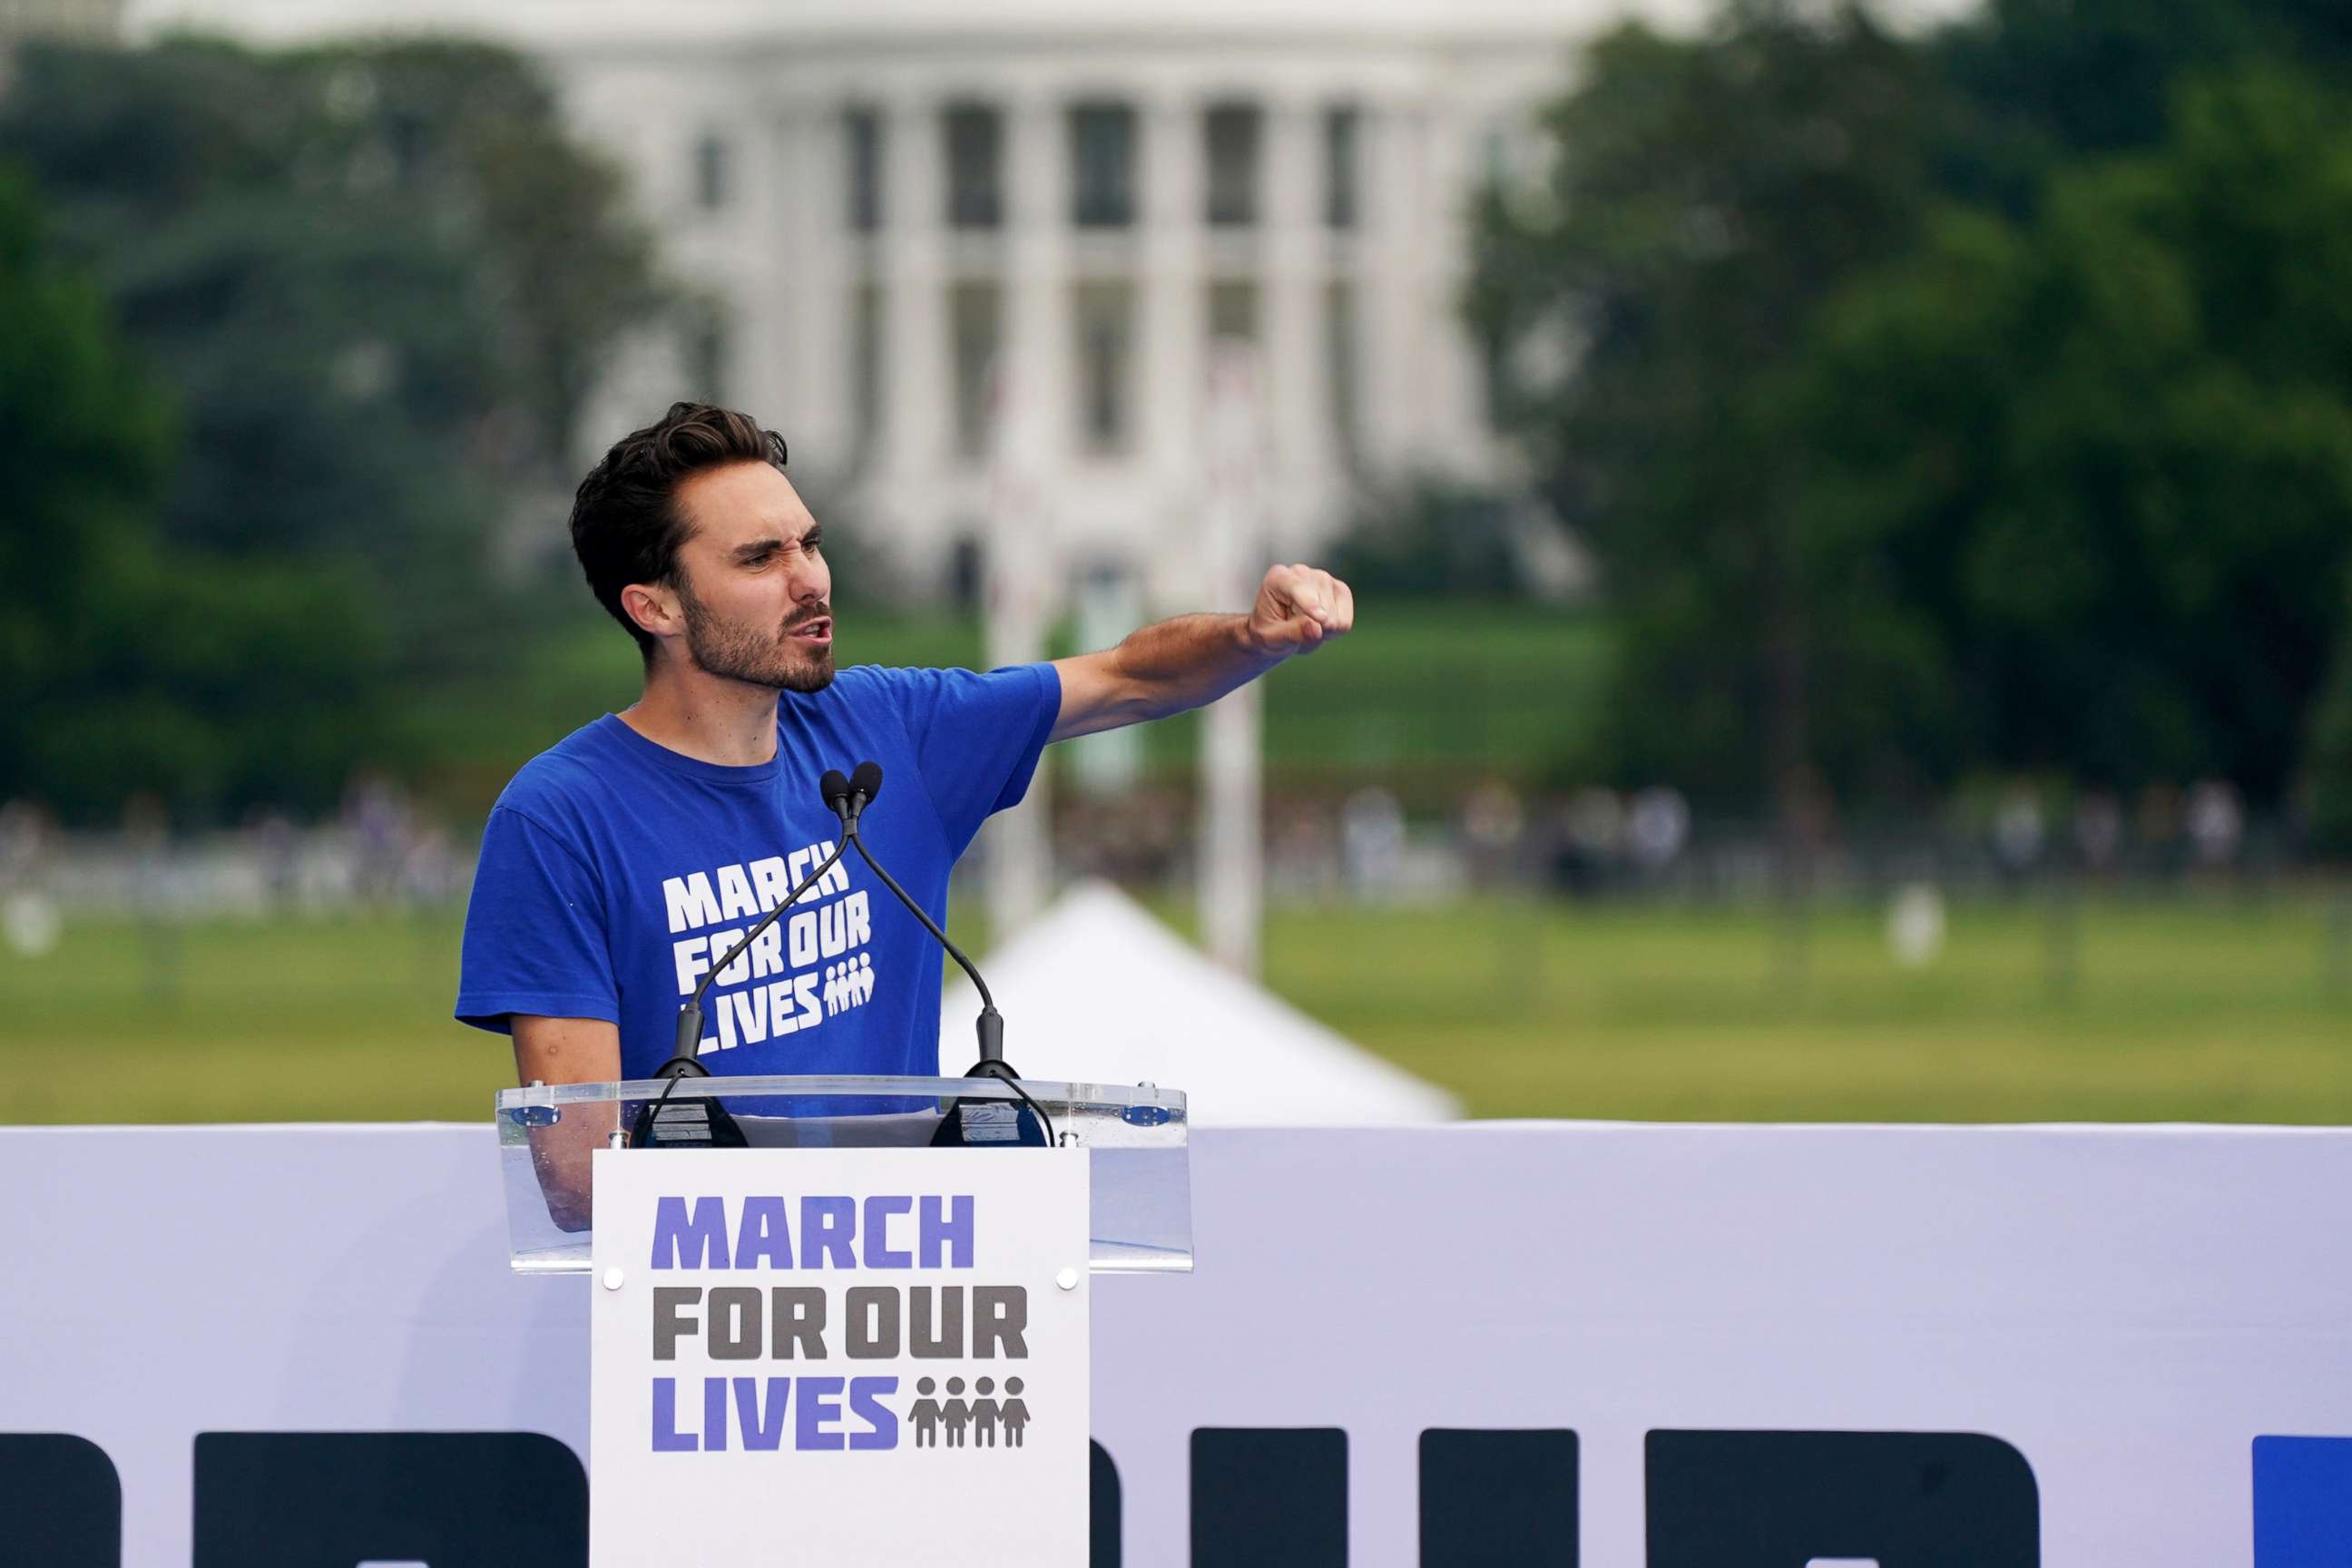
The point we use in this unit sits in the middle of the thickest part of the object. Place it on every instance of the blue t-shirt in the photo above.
(615, 871)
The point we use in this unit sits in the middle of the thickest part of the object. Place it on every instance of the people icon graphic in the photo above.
(849, 983)
(956, 1414)
(983, 1414)
(925, 1414)
(1014, 1414)
(982, 1417)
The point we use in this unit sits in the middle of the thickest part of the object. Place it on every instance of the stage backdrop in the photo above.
(1558, 1344)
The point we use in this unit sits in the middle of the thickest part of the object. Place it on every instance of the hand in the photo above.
(1298, 608)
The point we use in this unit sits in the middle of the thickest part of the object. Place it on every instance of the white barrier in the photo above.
(2129, 1310)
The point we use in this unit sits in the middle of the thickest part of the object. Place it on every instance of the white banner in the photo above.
(839, 1355)
(2095, 1346)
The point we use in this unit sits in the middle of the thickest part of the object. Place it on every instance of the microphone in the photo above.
(701, 1122)
(849, 802)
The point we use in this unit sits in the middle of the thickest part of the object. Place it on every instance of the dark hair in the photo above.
(626, 524)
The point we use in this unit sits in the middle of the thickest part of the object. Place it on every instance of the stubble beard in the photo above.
(776, 661)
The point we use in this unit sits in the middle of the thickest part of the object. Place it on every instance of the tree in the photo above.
(2104, 457)
(2327, 771)
(131, 664)
(2046, 81)
(376, 282)
(83, 445)
(1705, 197)
(1432, 536)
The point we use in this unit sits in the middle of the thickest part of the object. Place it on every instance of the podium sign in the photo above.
(817, 1356)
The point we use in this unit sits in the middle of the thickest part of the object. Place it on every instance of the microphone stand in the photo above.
(704, 1122)
(863, 784)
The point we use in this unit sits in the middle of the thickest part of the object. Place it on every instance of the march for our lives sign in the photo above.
(838, 1355)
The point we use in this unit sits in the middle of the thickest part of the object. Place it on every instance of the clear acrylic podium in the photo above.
(1141, 1202)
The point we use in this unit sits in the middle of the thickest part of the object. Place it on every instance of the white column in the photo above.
(1297, 264)
(916, 390)
(1390, 213)
(817, 279)
(1039, 348)
(1172, 377)
(1456, 389)
(1027, 573)
(1232, 542)
(759, 187)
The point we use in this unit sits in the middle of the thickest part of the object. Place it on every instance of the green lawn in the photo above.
(2203, 1010)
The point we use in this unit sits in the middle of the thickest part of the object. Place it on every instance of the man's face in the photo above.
(753, 586)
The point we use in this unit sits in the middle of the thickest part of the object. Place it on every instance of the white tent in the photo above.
(1096, 991)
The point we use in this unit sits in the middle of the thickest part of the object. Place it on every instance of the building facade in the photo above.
(970, 267)
(78, 21)
(980, 260)
(984, 266)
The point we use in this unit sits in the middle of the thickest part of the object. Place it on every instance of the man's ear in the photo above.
(654, 609)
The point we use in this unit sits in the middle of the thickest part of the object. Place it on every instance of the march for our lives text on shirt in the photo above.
(615, 872)
(830, 926)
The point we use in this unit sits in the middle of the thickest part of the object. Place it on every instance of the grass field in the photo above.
(2193, 1009)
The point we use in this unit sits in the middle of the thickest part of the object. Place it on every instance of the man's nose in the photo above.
(813, 584)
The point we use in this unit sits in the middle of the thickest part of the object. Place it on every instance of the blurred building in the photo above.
(76, 19)
(918, 227)
(1005, 249)
(961, 248)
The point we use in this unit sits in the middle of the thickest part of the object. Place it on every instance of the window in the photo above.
(864, 127)
(866, 367)
(975, 136)
(1495, 378)
(1340, 363)
(1233, 312)
(710, 173)
(976, 319)
(1104, 316)
(1234, 131)
(1342, 132)
(706, 355)
(1102, 154)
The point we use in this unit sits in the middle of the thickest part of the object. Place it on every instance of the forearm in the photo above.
(569, 1051)
(1173, 667)
(1193, 660)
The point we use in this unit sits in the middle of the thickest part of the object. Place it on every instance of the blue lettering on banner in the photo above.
(820, 1403)
(692, 1232)
(865, 1402)
(667, 1439)
(2303, 1502)
(758, 1409)
(706, 1229)
(950, 1231)
(765, 1235)
(827, 1228)
(763, 1429)
(879, 1253)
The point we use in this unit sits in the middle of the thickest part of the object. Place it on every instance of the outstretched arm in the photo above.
(1195, 660)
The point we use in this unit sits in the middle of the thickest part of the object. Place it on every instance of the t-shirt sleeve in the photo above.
(534, 932)
(977, 738)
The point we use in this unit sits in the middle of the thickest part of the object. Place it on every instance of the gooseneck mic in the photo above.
(850, 798)
(705, 1123)
(857, 793)
(686, 1048)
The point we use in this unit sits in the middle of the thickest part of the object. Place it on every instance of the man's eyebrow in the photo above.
(759, 547)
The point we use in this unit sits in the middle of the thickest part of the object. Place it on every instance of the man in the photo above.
(620, 865)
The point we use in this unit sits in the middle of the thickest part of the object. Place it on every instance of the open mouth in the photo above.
(819, 632)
